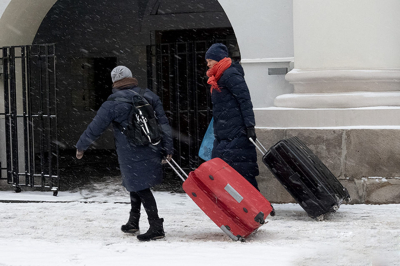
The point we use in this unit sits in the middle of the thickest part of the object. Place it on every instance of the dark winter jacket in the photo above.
(140, 165)
(233, 113)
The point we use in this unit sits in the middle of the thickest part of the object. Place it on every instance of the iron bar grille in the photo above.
(30, 117)
(176, 72)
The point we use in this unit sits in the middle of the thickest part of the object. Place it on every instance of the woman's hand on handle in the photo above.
(168, 158)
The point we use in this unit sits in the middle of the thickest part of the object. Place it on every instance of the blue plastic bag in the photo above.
(207, 143)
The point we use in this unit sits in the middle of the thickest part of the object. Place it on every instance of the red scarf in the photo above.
(216, 72)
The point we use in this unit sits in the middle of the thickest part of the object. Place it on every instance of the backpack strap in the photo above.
(120, 128)
(120, 99)
(142, 92)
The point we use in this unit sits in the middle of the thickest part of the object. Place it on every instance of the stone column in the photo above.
(347, 54)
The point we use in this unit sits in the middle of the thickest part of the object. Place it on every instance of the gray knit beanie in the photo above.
(120, 72)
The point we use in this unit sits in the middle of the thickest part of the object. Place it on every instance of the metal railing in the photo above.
(30, 114)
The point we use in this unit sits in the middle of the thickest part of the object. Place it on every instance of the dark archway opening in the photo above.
(93, 36)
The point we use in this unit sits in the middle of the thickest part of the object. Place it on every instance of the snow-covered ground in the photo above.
(83, 228)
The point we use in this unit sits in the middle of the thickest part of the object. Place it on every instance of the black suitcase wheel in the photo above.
(273, 211)
(347, 200)
(259, 218)
(241, 239)
(18, 189)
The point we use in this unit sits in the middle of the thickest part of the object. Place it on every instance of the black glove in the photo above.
(251, 133)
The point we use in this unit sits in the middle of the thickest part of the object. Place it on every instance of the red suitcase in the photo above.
(226, 197)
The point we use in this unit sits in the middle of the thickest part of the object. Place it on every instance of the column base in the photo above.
(276, 117)
(338, 100)
(341, 89)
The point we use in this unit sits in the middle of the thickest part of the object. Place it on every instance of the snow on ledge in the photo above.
(333, 128)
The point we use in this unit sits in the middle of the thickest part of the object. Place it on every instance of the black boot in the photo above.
(132, 225)
(156, 231)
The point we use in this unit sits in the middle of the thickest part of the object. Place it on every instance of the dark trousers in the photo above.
(146, 198)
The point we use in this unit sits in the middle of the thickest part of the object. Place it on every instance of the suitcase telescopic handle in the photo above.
(176, 171)
(259, 146)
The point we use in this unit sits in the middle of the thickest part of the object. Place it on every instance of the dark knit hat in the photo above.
(217, 52)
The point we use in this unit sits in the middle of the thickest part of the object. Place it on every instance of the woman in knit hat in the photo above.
(233, 113)
(140, 165)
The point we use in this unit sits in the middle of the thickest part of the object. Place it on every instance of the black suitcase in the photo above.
(305, 177)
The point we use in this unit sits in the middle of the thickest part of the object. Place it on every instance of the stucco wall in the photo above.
(20, 20)
(3, 6)
(263, 27)
(357, 34)
(264, 30)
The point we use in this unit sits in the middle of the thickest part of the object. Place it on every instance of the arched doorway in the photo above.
(92, 37)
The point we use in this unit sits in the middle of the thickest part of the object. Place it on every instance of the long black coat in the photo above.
(140, 165)
(233, 113)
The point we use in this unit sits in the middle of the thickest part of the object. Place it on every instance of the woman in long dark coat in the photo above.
(140, 166)
(233, 113)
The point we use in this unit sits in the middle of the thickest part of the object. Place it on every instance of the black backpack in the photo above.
(143, 127)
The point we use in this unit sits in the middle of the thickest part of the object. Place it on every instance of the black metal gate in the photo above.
(30, 120)
(177, 73)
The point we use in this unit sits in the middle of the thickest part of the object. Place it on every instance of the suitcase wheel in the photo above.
(241, 239)
(273, 211)
(259, 218)
(227, 230)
